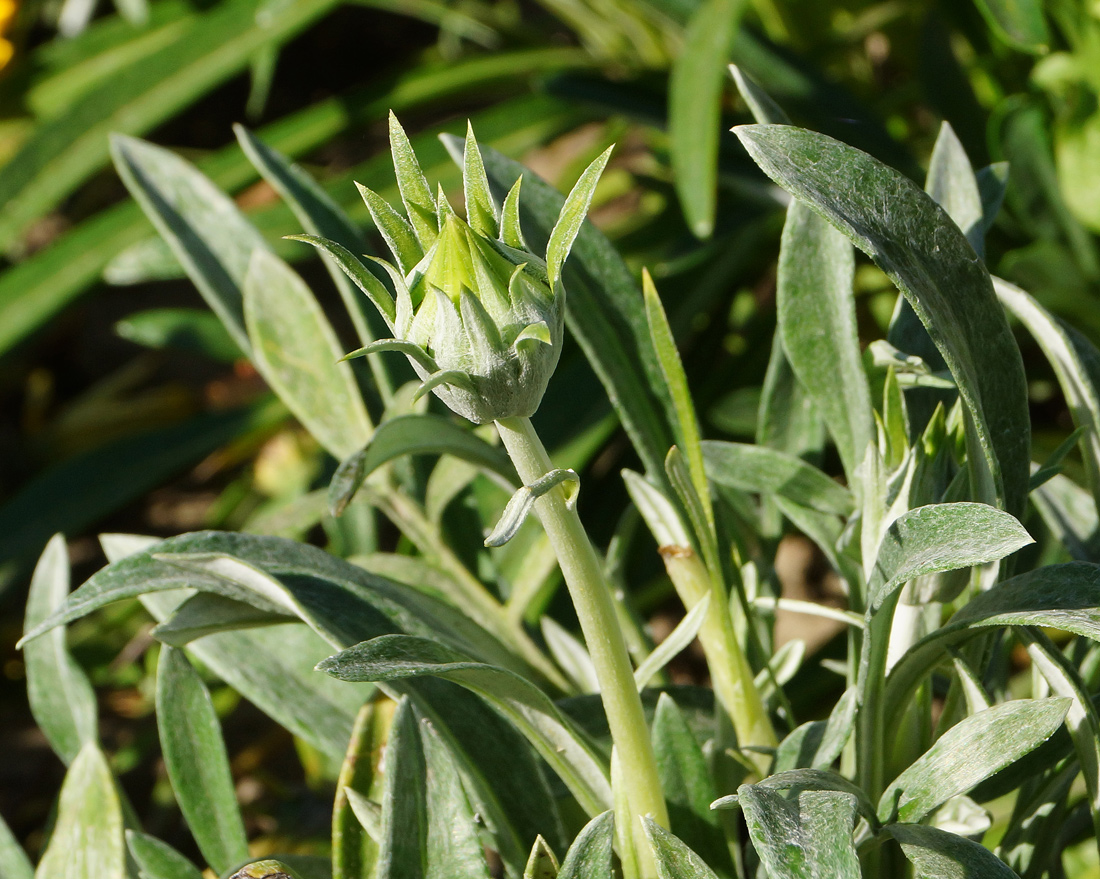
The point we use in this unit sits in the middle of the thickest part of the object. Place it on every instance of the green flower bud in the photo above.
(480, 317)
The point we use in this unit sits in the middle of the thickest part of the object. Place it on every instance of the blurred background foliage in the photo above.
(127, 408)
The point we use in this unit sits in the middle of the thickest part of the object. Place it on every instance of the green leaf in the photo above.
(764, 110)
(481, 210)
(297, 352)
(415, 435)
(415, 192)
(183, 329)
(806, 833)
(14, 863)
(395, 657)
(196, 761)
(686, 782)
(202, 225)
(363, 278)
(61, 697)
(787, 419)
(204, 614)
(937, 854)
(674, 859)
(973, 750)
(542, 864)
(1076, 363)
(944, 537)
(1020, 23)
(953, 186)
(66, 150)
(394, 229)
(817, 322)
(819, 743)
(771, 472)
(589, 857)
(86, 842)
(573, 212)
(913, 240)
(157, 859)
(269, 868)
(403, 841)
(604, 313)
(674, 643)
(695, 109)
(686, 426)
(521, 503)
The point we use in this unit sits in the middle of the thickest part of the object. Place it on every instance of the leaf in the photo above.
(481, 210)
(64, 151)
(589, 857)
(297, 352)
(807, 833)
(1019, 23)
(521, 503)
(603, 312)
(542, 864)
(1076, 363)
(157, 859)
(61, 697)
(196, 761)
(394, 657)
(570, 654)
(973, 750)
(674, 859)
(769, 472)
(686, 782)
(202, 225)
(915, 243)
(183, 329)
(695, 109)
(86, 842)
(953, 186)
(686, 426)
(764, 110)
(816, 311)
(416, 195)
(573, 211)
(937, 854)
(14, 863)
(787, 419)
(819, 743)
(401, 853)
(674, 643)
(944, 537)
(364, 279)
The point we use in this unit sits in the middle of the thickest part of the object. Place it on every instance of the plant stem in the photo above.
(595, 608)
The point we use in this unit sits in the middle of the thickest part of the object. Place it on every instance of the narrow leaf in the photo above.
(481, 210)
(521, 503)
(674, 859)
(951, 182)
(589, 857)
(14, 863)
(542, 863)
(572, 215)
(157, 859)
(361, 276)
(674, 643)
(764, 110)
(395, 229)
(196, 761)
(937, 854)
(415, 192)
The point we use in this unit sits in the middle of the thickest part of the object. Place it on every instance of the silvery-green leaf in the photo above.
(481, 210)
(674, 859)
(511, 233)
(14, 863)
(660, 516)
(992, 185)
(589, 856)
(409, 349)
(916, 244)
(205, 230)
(542, 863)
(522, 502)
(944, 537)
(770, 472)
(951, 182)
(395, 229)
(974, 749)
(61, 697)
(674, 643)
(937, 854)
(415, 192)
(86, 842)
(816, 310)
(197, 763)
(367, 812)
(787, 419)
(157, 859)
(297, 353)
(1053, 464)
(204, 614)
(1070, 513)
(819, 743)
(570, 654)
(393, 657)
(572, 215)
(403, 843)
(764, 110)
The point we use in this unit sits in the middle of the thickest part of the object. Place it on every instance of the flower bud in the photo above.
(480, 317)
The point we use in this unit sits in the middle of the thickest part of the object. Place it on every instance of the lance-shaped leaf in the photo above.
(14, 863)
(542, 862)
(674, 859)
(573, 213)
(938, 854)
(296, 350)
(817, 322)
(589, 856)
(676, 642)
(203, 227)
(914, 241)
(196, 760)
(61, 697)
(415, 192)
(393, 657)
(86, 842)
(974, 749)
(944, 537)
(157, 859)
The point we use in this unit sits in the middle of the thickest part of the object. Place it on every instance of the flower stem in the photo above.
(595, 608)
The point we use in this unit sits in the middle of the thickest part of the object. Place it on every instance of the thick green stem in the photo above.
(595, 608)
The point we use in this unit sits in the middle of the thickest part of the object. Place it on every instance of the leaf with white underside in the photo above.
(944, 537)
(296, 351)
(60, 695)
(973, 750)
(915, 242)
(86, 842)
